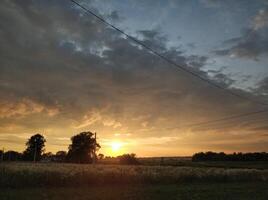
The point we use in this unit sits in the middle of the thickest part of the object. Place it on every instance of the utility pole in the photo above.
(9, 156)
(94, 149)
(35, 149)
(3, 152)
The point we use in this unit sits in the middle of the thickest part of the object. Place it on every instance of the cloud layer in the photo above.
(253, 42)
(62, 72)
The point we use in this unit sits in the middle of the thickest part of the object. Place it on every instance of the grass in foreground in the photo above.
(42, 175)
(52, 181)
(197, 191)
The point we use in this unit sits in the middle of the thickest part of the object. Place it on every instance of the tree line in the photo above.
(213, 156)
(83, 149)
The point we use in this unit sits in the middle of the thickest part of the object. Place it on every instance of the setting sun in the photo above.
(116, 146)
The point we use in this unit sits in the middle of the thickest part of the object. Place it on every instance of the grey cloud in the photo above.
(191, 45)
(262, 87)
(115, 16)
(211, 3)
(153, 39)
(197, 61)
(252, 43)
(261, 19)
(223, 79)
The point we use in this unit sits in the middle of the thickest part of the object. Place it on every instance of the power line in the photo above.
(216, 120)
(168, 60)
(183, 69)
(229, 118)
(234, 123)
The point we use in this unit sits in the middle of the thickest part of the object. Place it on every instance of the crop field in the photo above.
(216, 164)
(73, 181)
(56, 174)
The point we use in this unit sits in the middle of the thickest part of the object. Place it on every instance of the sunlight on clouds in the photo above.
(96, 116)
(112, 123)
(24, 107)
(89, 119)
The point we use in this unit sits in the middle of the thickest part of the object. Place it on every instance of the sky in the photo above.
(63, 72)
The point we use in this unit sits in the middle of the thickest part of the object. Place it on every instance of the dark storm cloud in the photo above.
(60, 68)
(262, 87)
(252, 43)
(115, 16)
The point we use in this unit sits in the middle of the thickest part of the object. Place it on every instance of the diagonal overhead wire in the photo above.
(211, 122)
(227, 118)
(174, 64)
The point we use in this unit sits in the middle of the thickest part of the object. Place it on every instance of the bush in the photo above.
(128, 159)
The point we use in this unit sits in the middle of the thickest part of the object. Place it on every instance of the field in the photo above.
(195, 191)
(186, 161)
(72, 181)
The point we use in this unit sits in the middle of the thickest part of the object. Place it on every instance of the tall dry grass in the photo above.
(55, 174)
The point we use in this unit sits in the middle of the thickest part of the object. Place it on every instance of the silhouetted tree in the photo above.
(60, 156)
(47, 157)
(83, 148)
(128, 159)
(12, 156)
(35, 146)
(212, 156)
(1, 155)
